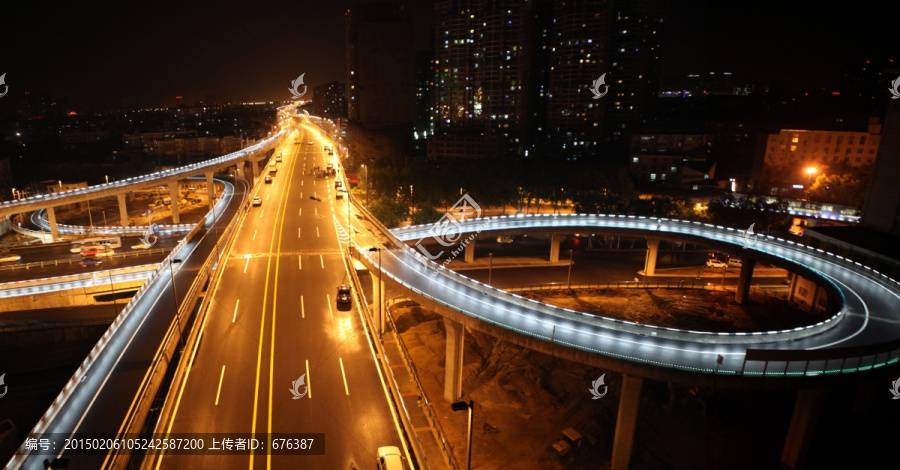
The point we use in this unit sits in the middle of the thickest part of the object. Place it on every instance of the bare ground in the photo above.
(693, 309)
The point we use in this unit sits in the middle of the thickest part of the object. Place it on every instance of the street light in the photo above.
(470, 407)
(367, 184)
(175, 296)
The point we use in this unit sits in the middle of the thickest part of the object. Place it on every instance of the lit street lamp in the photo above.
(490, 267)
(470, 406)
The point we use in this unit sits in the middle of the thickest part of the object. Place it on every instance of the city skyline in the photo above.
(126, 57)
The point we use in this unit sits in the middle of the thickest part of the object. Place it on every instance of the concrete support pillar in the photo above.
(253, 169)
(123, 209)
(816, 295)
(239, 172)
(210, 189)
(743, 286)
(130, 196)
(378, 304)
(794, 278)
(469, 252)
(652, 254)
(54, 229)
(453, 363)
(626, 422)
(554, 247)
(175, 196)
(800, 431)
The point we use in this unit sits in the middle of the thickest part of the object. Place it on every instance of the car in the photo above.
(309, 142)
(257, 201)
(5, 258)
(338, 184)
(271, 164)
(735, 262)
(278, 158)
(343, 294)
(340, 194)
(714, 263)
(504, 239)
(141, 246)
(330, 152)
(92, 251)
(389, 458)
(268, 179)
(90, 261)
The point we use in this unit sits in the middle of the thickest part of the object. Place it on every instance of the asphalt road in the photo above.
(101, 401)
(274, 319)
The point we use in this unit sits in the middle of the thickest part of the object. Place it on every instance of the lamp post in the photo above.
(810, 172)
(490, 267)
(175, 296)
(470, 407)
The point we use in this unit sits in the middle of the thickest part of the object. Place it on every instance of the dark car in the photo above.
(344, 301)
(90, 261)
(268, 179)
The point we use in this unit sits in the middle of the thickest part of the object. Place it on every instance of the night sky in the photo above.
(128, 54)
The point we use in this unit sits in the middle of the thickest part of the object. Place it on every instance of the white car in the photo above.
(714, 263)
(257, 201)
(389, 458)
(8, 258)
(504, 239)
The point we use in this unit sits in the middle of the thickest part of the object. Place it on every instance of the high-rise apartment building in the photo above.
(380, 83)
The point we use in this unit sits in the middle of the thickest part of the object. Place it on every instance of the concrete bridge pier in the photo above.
(253, 169)
(239, 170)
(469, 252)
(378, 304)
(800, 431)
(453, 362)
(123, 209)
(54, 229)
(626, 422)
(175, 196)
(652, 255)
(210, 189)
(743, 286)
(554, 247)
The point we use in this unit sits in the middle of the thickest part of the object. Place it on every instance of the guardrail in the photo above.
(436, 428)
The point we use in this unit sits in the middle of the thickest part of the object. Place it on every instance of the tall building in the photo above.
(329, 100)
(579, 55)
(481, 71)
(795, 157)
(380, 80)
(882, 207)
(634, 68)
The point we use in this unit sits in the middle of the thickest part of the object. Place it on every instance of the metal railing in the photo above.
(433, 420)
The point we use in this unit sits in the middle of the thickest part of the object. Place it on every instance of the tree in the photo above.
(845, 189)
(389, 211)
